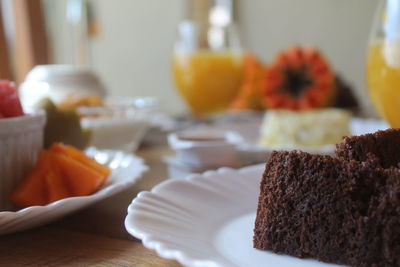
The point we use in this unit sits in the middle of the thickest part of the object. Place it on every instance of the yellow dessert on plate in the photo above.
(308, 129)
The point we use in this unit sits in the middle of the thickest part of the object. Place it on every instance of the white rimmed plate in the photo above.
(126, 170)
(205, 220)
(251, 153)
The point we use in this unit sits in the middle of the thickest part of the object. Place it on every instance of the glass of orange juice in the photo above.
(208, 62)
(383, 62)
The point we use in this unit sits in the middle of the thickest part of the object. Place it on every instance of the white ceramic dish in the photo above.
(21, 140)
(244, 148)
(130, 132)
(128, 118)
(205, 148)
(126, 170)
(205, 220)
(58, 81)
(249, 152)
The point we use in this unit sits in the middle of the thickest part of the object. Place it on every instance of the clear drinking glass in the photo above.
(208, 61)
(383, 62)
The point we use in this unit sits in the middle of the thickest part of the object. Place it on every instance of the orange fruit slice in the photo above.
(32, 190)
(249, 95)
(80, 179)
(61, 172)
(78, 155)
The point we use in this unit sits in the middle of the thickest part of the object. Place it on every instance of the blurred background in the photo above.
(129, 43)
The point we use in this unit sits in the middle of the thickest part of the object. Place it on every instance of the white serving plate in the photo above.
(250, 152)
(247, 151)
(206, 220)
(126, 170)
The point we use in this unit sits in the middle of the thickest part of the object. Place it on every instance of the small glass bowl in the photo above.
(120, 123)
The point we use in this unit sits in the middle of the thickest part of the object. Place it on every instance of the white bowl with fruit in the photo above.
(21, 140)
(39, 185)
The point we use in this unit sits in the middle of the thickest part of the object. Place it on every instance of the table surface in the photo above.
(95, 236)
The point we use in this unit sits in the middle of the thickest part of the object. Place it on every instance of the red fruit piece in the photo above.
(10, 106)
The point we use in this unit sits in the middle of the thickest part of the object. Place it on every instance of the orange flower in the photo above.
(299, 78)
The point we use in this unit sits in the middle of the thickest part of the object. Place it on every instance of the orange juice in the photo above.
(208, 81)
(383, 75)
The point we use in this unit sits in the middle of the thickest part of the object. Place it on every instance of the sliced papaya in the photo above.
(56, 186)
(59, 173)
(78, 155)
(32, 191)
(249, 95)
(299, 78)
(80, 179)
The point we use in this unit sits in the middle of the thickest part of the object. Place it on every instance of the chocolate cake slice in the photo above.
(332, 209)
(384, 146)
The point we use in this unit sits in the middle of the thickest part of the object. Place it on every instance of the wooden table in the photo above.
(95, 236)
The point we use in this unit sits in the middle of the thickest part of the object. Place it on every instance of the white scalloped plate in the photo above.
(251, 152)
(205, 220)
(126, 170)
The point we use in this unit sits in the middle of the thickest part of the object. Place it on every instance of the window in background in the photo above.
(24, 34)
(70, 27)
(5, 66)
